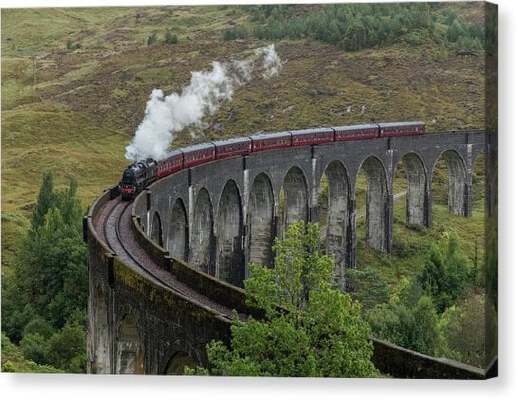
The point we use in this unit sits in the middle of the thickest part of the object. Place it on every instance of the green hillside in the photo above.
(75, 83)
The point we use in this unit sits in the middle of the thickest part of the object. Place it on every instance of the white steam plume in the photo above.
(167, 115)
(271, 63)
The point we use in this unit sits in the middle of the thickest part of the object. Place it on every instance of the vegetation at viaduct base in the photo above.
(44, 297)
(310, 329)
(74, 87)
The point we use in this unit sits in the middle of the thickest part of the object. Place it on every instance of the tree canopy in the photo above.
(44, 303)
(311, 328)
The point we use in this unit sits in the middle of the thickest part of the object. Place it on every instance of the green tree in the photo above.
(14, 361)
(310, 329)
(409, 319)
(49, 287)
(46, 200)
(67, 348)
(461, 327)
(455, 30)
(35, 347)
(367, 287)
(446, 273)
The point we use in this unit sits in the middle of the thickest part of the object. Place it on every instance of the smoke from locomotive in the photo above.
(167, 115)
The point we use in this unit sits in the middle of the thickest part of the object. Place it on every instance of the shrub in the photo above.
(235, 33)
(152, 39)
(170, 38)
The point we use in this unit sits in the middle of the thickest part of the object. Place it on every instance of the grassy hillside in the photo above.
(75, 83)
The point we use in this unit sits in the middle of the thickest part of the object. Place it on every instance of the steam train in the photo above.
(140, 174)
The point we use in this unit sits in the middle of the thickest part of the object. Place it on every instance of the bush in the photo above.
(462, 330)
(152, 39)
(73, 46)
(67, 348)
(34, 347)
(366, 287)
(447, 273)
(170, 38)
(413, 327)
(235, 33)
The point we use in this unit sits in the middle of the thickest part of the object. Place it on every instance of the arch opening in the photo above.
(178, 231)
(293, 199)
(260, 221)
(156, 229)
(130, 355)
(371, 203)
(449, 183)
(409, 190)
(202, 238)
(334, 217)
(178, 362)
(229, 262)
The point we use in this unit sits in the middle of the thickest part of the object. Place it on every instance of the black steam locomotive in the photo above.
(136, 177)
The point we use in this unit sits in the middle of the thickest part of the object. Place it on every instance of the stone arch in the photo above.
(229, 251)
(376, 204)
(129, 351)
(457, 180)
(261, 221)
(335, 217)
(178, 362)
(156, 229)
(202, 236)
(294, 195)
(178, 231)
(416, 193)
(101, 335)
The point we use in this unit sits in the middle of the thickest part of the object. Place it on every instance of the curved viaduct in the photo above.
(165, 270)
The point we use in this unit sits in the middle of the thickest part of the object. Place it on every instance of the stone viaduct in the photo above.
(221, 216)
(204, 225)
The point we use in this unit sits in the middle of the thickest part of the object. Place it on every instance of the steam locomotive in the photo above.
(140, 174)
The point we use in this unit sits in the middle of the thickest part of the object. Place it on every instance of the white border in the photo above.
(78, 387)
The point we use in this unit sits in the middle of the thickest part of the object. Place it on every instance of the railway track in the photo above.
(114, 227)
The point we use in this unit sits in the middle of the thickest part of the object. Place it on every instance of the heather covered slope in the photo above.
(75, 83)
(73, 109)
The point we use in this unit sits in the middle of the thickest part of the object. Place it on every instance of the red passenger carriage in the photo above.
(356, 132)
(306, 137)
(270, 141)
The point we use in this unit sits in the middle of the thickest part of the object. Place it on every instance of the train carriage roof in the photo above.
(311, 130)
(271, 135)
(172, 154)
(201, 146)
(355, 127)
(231, 141)
(405, 123)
